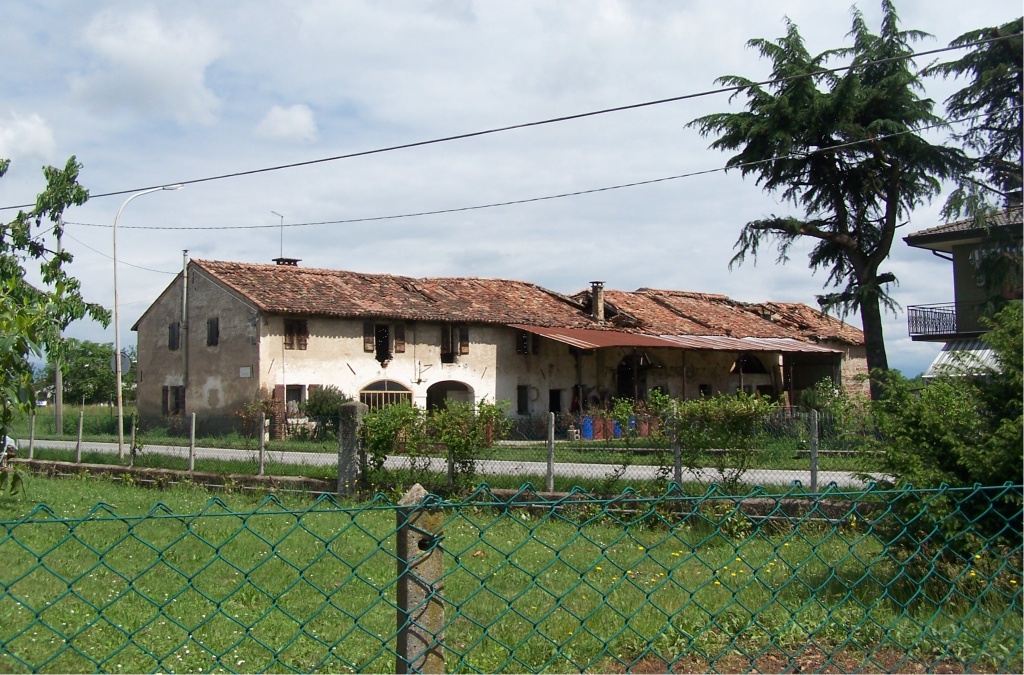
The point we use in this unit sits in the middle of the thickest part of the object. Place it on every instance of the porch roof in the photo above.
(585, 338)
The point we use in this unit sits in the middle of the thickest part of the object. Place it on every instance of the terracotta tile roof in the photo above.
(1003, 219)
(717, 313)
(288, 289)
(808, 322)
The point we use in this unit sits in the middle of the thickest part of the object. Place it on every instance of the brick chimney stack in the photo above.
(597, 300)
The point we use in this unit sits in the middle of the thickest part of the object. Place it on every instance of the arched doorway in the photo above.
(440, 393)
(384, 392)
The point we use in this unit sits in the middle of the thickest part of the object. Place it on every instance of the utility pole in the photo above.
(58, 378)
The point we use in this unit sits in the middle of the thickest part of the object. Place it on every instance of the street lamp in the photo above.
(117, 328)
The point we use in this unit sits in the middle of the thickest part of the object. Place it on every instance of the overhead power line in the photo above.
(526, 125)
(526, 200)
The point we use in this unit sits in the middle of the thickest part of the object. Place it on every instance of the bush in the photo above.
(323, 406)
(725, 431)
(458, 430)
(960, 430)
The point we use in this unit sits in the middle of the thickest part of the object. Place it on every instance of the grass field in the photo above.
(115, 578)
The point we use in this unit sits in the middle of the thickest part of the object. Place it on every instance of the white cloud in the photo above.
(147, 64)
(26, 137)
(294, 123)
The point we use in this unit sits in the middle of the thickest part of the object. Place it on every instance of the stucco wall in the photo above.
(220, 379)
(157, 365)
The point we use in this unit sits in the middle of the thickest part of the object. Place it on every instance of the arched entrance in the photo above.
(384, 392)
(440, 393)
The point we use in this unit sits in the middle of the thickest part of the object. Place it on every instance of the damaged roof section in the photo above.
(645, 317)
(285, 289)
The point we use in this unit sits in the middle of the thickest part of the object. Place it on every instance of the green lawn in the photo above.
(115, 578)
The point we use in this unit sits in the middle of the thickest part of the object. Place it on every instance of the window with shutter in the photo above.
(174, 337)
(368, 340)
(212, 332)
(463, 339)
(173, 400)
(522, 342)
(399, 338)
(296, 334)
(447, 350)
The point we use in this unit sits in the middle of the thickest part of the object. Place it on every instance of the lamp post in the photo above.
(117, 328)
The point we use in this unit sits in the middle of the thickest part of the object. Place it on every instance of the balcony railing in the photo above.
(945, 320)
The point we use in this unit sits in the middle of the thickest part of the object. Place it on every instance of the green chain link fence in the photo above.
(907, 580)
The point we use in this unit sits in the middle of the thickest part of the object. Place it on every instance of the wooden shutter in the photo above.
(399, 338)
(368, 337)
(536, 343)
(463, 339)
(446, 339)
(212, 332)
(303, 334)
(173, 336)
(164, 405)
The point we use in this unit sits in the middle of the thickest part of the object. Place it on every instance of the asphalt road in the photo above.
(535, 471)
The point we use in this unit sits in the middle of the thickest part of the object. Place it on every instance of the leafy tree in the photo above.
(843, 148)
(31, 318)
(88, 377)
(990, 106)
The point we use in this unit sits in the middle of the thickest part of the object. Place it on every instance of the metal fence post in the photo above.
(420, 643)
(814, 451)
(32, 436)
(78, 444)
(451, 466)
(350, 422)
(263, 444)
(550, 483)
(192, 445)
(677, 448)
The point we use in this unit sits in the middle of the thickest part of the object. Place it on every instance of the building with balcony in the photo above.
(986, 263)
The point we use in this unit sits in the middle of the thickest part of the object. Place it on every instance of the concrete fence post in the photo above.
(420, 643)
(261, 464)
(192, 445)
(78, 443)
(350, 423)
(32, 437)
(550, 483)
(814, 450)
(132, 448)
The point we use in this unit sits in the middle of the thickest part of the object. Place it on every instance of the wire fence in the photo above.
(558, 452)
(891, 581)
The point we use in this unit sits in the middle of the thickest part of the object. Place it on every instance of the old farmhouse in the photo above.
(225, 333)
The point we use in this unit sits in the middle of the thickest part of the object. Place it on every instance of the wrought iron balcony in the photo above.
(945, 321)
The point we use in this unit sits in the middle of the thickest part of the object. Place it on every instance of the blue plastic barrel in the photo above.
(588, 429)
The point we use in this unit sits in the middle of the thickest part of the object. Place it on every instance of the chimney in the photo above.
(291, 262)
(597, 300)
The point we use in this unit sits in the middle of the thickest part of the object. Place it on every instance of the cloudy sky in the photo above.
(156, 93)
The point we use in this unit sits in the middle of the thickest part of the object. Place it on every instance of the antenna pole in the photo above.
(282, 231)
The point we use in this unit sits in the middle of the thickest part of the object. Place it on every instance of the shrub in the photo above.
(323, 406)
(724, 431)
